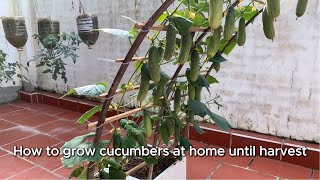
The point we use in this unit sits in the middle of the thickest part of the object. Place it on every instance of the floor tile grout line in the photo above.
(215, 170)
(21, 172)
(1, 146)
(36, 165)
(253, 170)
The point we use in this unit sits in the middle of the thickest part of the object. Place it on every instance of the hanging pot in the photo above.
(15, 31)
(87, 23)
(47, 27)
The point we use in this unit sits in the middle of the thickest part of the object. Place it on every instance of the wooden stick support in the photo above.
(139, 25)
(133, 59)
(136, 87)
(125, 114)
(136, 168)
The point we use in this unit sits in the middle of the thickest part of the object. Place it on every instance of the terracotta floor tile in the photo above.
(12, 166)
(36, 121)
(14, 134)
(64, 172)
(69, 115)
(57, 127)
(19, 115)
(36, 173)
(281, 169)
(7, 108)
(36, 141)
(51, 110)
(316, 174)
(226, 171)
(197, 144)
(5, 125)
(68, 135)
(200, 167)
(2, 152)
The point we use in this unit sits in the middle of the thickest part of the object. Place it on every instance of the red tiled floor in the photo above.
(7, 108)
(14, 134)
(316, 174)
(49, 162)
(200, 167)
(36, 173)
(69, 115)
(51, 110)
(226, 171)
(5, 125)
(36, 121)
(68, 135)
(57, 127)
(36, 141)
(12, 166)
(18, 115)
(281, 169)
(197, 144)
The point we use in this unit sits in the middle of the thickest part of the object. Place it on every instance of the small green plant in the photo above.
(9, 70)
(56, 49)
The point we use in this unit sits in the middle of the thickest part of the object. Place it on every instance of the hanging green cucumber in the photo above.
(144, 86)
(215, 13)
(154, 64)
(191, 91)
(194, 66)
(198, 93)
(170, 42)
(241, 36)
(273, 8)
(301, 7)
(229, 24)
(185, 47)
(268, 27)
(214, 42)
(147, 123)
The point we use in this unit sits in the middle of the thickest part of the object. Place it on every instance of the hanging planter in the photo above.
(87, 29)
(46, 27)
(15, 31)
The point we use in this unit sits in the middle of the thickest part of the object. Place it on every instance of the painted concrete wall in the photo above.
(267, 87)
(273, 87)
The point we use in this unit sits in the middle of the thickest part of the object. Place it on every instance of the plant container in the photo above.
(87, 29)
(47, 26)
(15, 31)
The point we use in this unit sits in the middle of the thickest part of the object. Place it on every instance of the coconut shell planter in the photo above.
(47, 27)
(87, 23)
(15, 31)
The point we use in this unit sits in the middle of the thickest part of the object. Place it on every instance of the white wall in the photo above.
(273, 87)
(267, 87)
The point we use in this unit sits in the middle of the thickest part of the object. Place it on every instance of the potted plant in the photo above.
(15, 31)
(56, 49)
(87, 28)
(168, 106)
(9, 70)
(47, 26)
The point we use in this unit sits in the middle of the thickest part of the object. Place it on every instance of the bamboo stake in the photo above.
(136, 87)
(136, 168)
(139, 25)
(133, 59)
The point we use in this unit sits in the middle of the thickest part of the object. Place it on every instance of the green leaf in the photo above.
(113, 163)
(163, 16)
(80, 143)
(198, 128)
(229, 48)
(128, 142)
(89, 90)
(164, 131)
(118, 32)
(211, 79)
(116, 174)
(76, 172)
(83, 175)
(47, 71)
(89, 114)
(217, 58)
(182, 24)
(150, 160)
(185, 143)
(202, 110)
